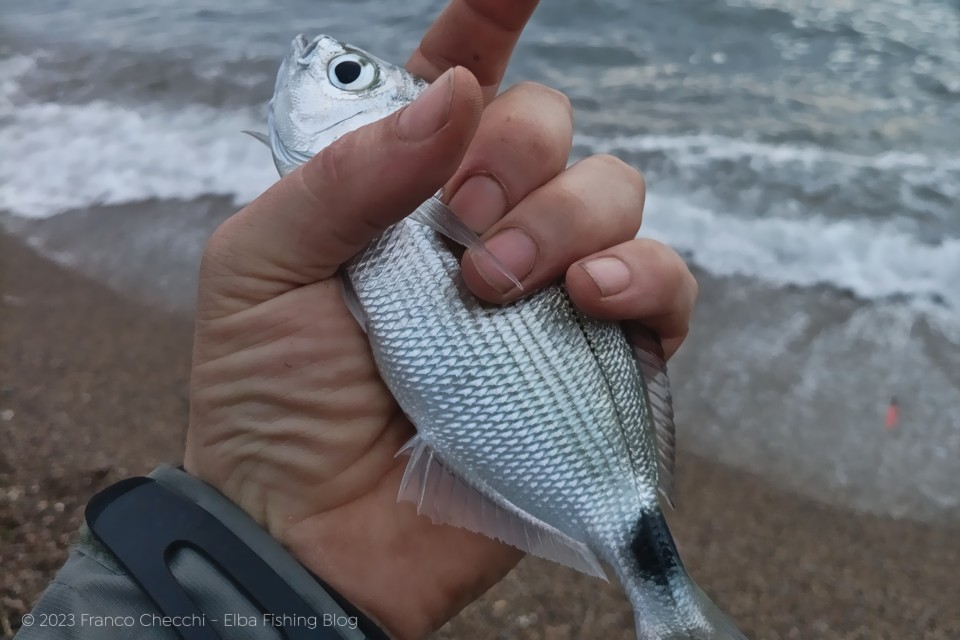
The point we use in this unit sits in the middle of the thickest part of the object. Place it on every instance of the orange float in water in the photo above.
(893, 415)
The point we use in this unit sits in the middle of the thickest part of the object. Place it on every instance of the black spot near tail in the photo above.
(653, 549)
(680, 610)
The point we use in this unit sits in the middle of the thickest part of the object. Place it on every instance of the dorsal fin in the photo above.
(649, 354)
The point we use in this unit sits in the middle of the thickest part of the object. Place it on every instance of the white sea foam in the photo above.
(872, 260)
(701, 148)
(12, 69)
(60, 157)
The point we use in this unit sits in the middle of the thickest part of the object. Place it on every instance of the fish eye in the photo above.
(352, 72)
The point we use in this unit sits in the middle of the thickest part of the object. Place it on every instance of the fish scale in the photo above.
(547, 386)
(535, 423)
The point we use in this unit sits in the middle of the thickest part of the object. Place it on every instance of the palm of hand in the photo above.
(290, 418)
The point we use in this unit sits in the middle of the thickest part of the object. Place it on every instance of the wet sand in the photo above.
(93, 388)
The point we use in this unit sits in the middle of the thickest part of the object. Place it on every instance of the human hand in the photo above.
(289, 417)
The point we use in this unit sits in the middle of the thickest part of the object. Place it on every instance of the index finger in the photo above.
(476, 34)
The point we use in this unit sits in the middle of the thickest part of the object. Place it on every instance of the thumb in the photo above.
(318, 216)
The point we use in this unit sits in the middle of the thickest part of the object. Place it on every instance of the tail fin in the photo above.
(667, 604)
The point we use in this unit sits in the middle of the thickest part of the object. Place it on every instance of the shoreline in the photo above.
(96, 384)
(789, 383)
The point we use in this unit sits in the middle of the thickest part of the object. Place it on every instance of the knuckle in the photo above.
(681, 282)
(663, 297)
(620, 171)
(619, 186)
(543, 93)
(610, 163)
(670, 261)
(533, 141)
(569, 201)
(533, 121)
(676, 282)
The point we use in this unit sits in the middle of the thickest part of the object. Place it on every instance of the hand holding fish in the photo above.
(290, 416)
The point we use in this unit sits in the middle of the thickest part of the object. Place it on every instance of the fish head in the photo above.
(325, 89)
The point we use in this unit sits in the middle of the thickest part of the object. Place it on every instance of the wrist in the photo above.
(341, 548)
(194, 554)
(406, 572)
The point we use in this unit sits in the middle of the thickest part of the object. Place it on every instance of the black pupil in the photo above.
(347, 71)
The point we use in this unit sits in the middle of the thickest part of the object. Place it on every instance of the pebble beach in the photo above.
(93, 389)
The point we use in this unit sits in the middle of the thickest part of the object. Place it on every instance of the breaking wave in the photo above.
(61, 157)
(874, 261)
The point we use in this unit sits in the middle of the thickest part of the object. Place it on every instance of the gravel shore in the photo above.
(93, 389)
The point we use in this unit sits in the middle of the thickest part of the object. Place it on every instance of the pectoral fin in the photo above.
(438, 217)
(446, 499)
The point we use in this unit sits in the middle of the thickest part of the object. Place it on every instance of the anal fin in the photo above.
(446, 499)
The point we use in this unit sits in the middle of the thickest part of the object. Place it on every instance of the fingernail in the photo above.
(480, 202)
(515, 249)
(610, 275)
(427, 114)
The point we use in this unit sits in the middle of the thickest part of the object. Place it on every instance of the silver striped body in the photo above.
(534, 399)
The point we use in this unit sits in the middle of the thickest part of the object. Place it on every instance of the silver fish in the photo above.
(536, 424)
